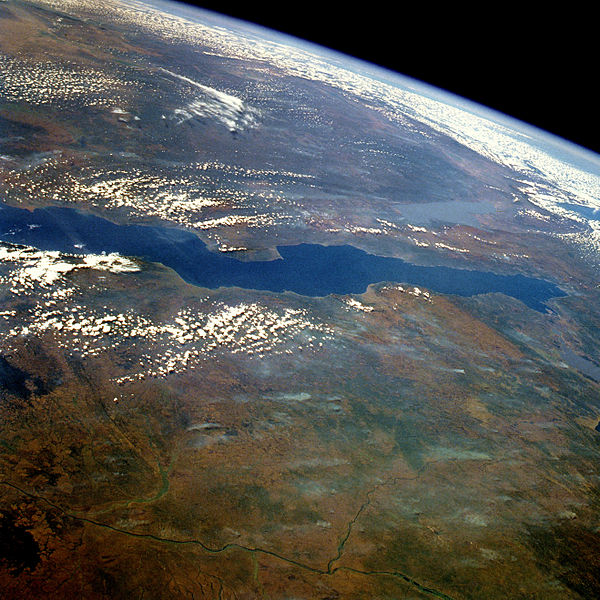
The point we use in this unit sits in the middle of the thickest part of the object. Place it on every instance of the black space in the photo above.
(537, 65)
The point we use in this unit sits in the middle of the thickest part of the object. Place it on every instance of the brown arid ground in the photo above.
(163, 440)
(373, 463)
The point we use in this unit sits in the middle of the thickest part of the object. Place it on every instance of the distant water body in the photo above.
(307, 269)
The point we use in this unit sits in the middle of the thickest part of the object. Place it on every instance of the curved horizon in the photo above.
(422, 73)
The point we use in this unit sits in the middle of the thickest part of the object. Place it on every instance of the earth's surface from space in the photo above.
(275, 323)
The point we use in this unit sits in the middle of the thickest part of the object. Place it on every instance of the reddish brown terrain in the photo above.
(160, 439)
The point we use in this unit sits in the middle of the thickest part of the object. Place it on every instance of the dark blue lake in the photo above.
(588, 212)
(307, 269)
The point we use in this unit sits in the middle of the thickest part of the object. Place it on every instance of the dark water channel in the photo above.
(307, 269)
